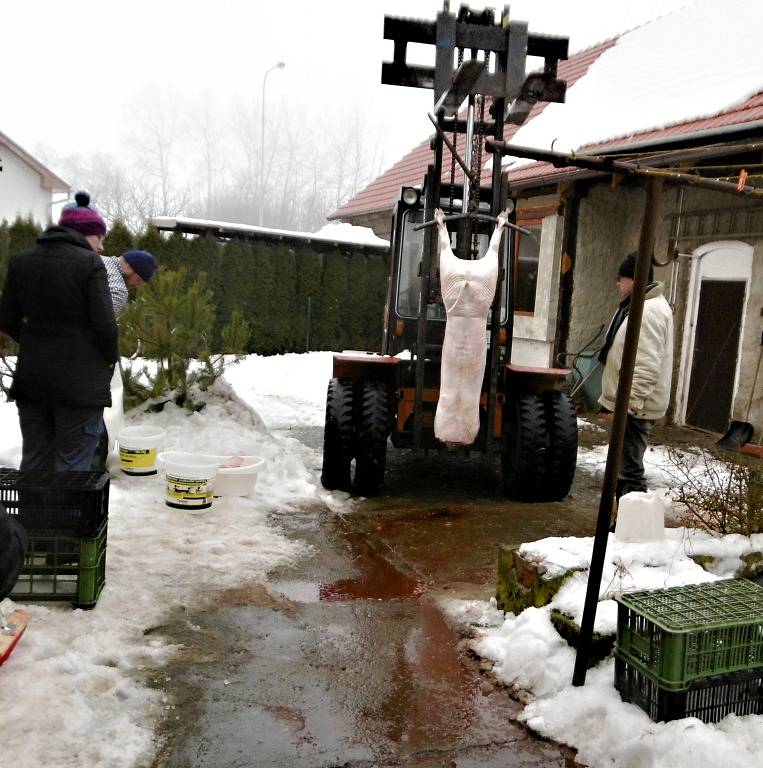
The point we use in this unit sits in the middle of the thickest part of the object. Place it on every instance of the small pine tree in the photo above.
(283, 299)
(23, 234)
(353, 310)
(234, 284)
(375, 294)
(329, 334)
(118, 240)
(309, 268)
(175, 252)
(261, 308)
(203, 255)
(170, 322)
(5, 251)
(151, 240)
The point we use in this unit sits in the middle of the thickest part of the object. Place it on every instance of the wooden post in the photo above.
(617, 435)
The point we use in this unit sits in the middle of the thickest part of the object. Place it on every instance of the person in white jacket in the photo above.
(650, 391)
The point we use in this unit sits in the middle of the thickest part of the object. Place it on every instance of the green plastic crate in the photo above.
(63, 568)
(681, 634)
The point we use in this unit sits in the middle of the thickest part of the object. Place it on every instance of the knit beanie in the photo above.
(81, 217)
(628, 267)
(142, 263)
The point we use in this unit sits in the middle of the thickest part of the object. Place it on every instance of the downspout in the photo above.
(567, 277)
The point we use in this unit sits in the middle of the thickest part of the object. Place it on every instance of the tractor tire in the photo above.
(523, 462)
(338, 436)
(562, 450)
(371, 444)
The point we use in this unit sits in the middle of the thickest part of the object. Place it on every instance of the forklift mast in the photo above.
(479, 85)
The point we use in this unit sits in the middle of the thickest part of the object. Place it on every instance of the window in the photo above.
(527, 248)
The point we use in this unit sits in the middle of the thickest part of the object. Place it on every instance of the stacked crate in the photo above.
(66, 517)
(692, 651)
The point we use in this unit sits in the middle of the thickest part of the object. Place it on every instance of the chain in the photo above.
(455, 139)
(478, 141)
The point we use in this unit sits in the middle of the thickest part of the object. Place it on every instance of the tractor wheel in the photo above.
(337, 436)
(562, 450)
(523, 461)
(371, 452)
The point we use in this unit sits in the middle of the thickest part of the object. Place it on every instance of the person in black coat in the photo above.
(56, 304)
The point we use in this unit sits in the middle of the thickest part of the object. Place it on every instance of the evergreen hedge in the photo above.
(276, 287)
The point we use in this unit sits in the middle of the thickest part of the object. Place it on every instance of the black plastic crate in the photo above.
(75, 503)
(709, 699)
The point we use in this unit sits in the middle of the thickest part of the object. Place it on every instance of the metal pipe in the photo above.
(617, 435)
(608, 164)
(474, 217)
(451, 146)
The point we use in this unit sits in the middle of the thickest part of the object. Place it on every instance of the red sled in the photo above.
(16, 623)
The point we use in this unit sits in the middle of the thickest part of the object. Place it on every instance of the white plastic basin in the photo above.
(238, 481)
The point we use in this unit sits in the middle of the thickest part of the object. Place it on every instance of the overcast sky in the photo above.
(70, 71)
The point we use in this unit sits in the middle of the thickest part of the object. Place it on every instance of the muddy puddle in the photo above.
(346, 658)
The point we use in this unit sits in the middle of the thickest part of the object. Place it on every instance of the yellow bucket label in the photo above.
(143, 458)
(189, 491)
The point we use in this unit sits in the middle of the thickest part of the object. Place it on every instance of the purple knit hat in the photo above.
(81, 217)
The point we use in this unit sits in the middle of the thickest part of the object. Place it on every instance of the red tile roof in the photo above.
(380, 194)
(49, 179)
(748, 112)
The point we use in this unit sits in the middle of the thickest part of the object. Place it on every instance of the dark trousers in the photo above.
(56, 438)
(631, 476)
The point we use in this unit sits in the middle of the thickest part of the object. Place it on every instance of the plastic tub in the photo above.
(190, 479)
(137, 448)
(238, 481)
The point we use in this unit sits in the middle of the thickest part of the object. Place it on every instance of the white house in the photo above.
(27, 187)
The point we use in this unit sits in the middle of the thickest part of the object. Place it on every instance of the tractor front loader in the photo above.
(523, 416)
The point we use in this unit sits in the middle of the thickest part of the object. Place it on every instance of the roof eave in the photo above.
(558, 176)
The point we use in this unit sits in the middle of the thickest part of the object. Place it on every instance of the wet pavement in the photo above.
(345, 659)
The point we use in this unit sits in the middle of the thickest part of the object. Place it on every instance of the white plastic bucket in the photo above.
(641, 517)
(190, 479)
(238, 481)
(137, 449)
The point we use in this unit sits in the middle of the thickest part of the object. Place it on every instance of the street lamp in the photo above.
(280, 65)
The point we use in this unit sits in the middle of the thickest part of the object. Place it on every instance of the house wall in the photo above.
(21, 190)
(533, 343)
(609, 225)
(718, 226)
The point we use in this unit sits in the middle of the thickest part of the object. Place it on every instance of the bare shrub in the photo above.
(718, 491)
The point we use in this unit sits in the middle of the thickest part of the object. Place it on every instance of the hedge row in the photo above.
(277, 287)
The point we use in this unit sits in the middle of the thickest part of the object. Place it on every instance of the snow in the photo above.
(667, 71)
(528, 654)
(349, 233)
(96, 665)
(332, 232)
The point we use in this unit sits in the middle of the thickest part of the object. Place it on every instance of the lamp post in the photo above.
(279, 65)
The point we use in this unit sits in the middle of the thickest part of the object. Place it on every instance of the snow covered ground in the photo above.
(75, 691)
(528, 654)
